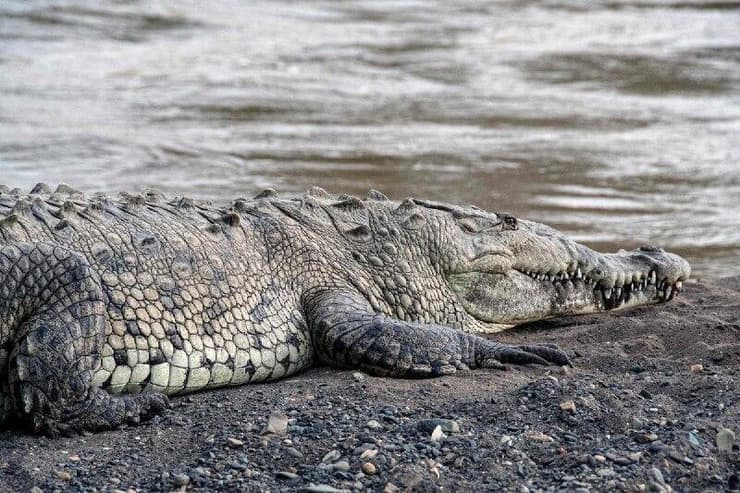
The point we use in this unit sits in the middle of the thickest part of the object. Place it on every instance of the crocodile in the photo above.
(110, 304)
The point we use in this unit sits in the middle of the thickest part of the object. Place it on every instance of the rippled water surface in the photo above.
(617, 122)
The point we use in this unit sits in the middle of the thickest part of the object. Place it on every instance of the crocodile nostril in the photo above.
(650, 248)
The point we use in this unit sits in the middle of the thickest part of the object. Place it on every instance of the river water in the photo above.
(617, 122)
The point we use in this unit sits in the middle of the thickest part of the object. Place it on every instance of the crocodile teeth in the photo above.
(668, 292)
(679, 286)
(607, 293)
(618, 293)
(579, 275)
(652, 277)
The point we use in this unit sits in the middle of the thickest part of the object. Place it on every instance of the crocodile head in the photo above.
(505, 271)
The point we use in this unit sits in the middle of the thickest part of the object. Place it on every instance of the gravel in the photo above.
(657, 428)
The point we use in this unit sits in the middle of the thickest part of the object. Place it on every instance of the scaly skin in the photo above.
(107, 305)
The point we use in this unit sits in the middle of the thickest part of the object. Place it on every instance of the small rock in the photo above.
(277, 424)
(293, 452)
(35, 489)
(694, 440)
(286, 475)
(358, 376)
(374, 425)
(74, 458)
(646, 437)
(331, 456)
(658, 488)
(655, 474)
(180, 479)
(341, 465)
(634, 456)
(437, 434)
(447, 425)
(568, 406)
(63, 475)
(322, 488)
(391, 488)
(234, 442)
(733, 482)
(725, 439)
(539, 437)
(369, 468)
(697, 368)
(599, 458)
(369, 454)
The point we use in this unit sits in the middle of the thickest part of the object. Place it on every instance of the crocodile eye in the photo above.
(509, 222)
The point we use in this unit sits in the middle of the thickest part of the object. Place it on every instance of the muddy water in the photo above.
(619, 122)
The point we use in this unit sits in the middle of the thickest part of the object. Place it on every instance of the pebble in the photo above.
(539, 437)
(437, 434)
(286, 475)
(655, 474)
(180, 479)
(234, 442)
(35, 489)
(277, 424)
(725, 439)
(697, 368)
(63, 475)
(369, 454)
(341, 465)
(391, 488)
(446, 425)
(331, 456)
(599, 458)
(568, 406)
(733, 482)
(358, 376)
(646, 437)
(693, 440)
(322, 488)
(369, 468)
(374, 425)
(293, 452)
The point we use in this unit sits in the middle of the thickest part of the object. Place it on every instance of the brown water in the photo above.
(617, 122)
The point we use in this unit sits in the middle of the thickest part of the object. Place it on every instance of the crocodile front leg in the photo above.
(347, 333)
(52, 313)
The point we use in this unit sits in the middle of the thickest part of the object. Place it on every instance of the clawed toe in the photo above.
(549, 352)
(526, 354)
